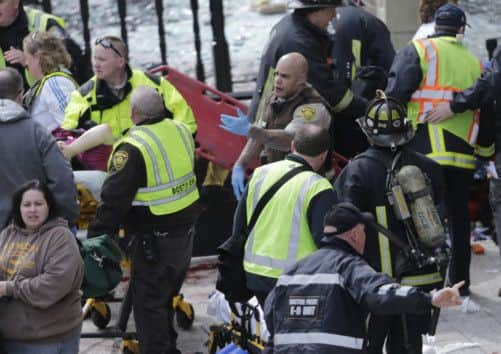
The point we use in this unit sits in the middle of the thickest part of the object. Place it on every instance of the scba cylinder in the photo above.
(423, 211)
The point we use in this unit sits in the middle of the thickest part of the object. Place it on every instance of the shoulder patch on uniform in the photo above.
(307, 112)
(120, 159)
(315, 113)
(303, 307)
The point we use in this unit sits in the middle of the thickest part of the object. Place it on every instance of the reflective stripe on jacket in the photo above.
(38, 21)
(281, 235)
(363, 182)
(441, 60)
(167, 148)
(321, 304)
(116, 113)
(387, 263)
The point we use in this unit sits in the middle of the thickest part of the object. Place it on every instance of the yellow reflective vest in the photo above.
(168, 151)
(37, 21)
(447, 67)
(281, 235)
(117, 113)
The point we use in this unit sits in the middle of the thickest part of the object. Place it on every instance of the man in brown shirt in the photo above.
(292, 103)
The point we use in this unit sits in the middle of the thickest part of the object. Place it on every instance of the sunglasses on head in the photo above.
(105, 43)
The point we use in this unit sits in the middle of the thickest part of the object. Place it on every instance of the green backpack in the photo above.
(101, 256)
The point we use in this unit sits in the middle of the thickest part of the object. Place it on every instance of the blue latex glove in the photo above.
(237, 180)
(236, 125)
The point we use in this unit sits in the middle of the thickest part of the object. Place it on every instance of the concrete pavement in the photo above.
(484, 327)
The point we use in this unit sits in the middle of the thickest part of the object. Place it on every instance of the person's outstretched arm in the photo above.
(98, 135)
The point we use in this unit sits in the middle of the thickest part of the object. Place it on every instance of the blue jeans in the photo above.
(68, 345)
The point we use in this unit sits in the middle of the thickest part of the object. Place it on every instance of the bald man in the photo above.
(292, 103)
(151, 191)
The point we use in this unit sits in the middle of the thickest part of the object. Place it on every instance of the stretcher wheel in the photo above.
(183, 319)
(87, 315)
(130, 346)
(99, 317)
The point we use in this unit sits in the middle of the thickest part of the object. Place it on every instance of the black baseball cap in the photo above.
(344, 217)
(450, 15)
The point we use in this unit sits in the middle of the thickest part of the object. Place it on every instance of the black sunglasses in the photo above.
(107, 44)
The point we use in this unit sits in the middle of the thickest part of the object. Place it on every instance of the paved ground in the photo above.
(458, 332)
(484, 327)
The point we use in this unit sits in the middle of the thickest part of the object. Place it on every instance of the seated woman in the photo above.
(41, 272)
(48, 61)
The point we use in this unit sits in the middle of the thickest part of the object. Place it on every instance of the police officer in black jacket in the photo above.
(320, 305)
(151, 191)
(304, 31)
(363, 182)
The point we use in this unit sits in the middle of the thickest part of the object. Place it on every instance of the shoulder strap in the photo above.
(270, 192)
(384, 158)
(379, 156)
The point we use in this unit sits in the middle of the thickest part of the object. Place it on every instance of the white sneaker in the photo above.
(469, 306)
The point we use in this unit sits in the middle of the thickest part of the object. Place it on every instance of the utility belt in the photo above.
(148, 242)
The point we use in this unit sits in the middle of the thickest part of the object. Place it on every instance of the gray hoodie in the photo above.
(28, 151)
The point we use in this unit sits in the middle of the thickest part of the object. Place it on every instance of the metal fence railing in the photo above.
(220, 52)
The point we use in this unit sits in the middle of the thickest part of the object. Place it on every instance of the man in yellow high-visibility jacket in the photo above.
(105, 98)
(151, 191)
(290, 225)
(425, 73)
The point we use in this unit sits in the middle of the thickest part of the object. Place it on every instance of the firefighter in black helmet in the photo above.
(385, 124)
(389, 131)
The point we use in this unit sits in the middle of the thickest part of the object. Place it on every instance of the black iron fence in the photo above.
(220, 52)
